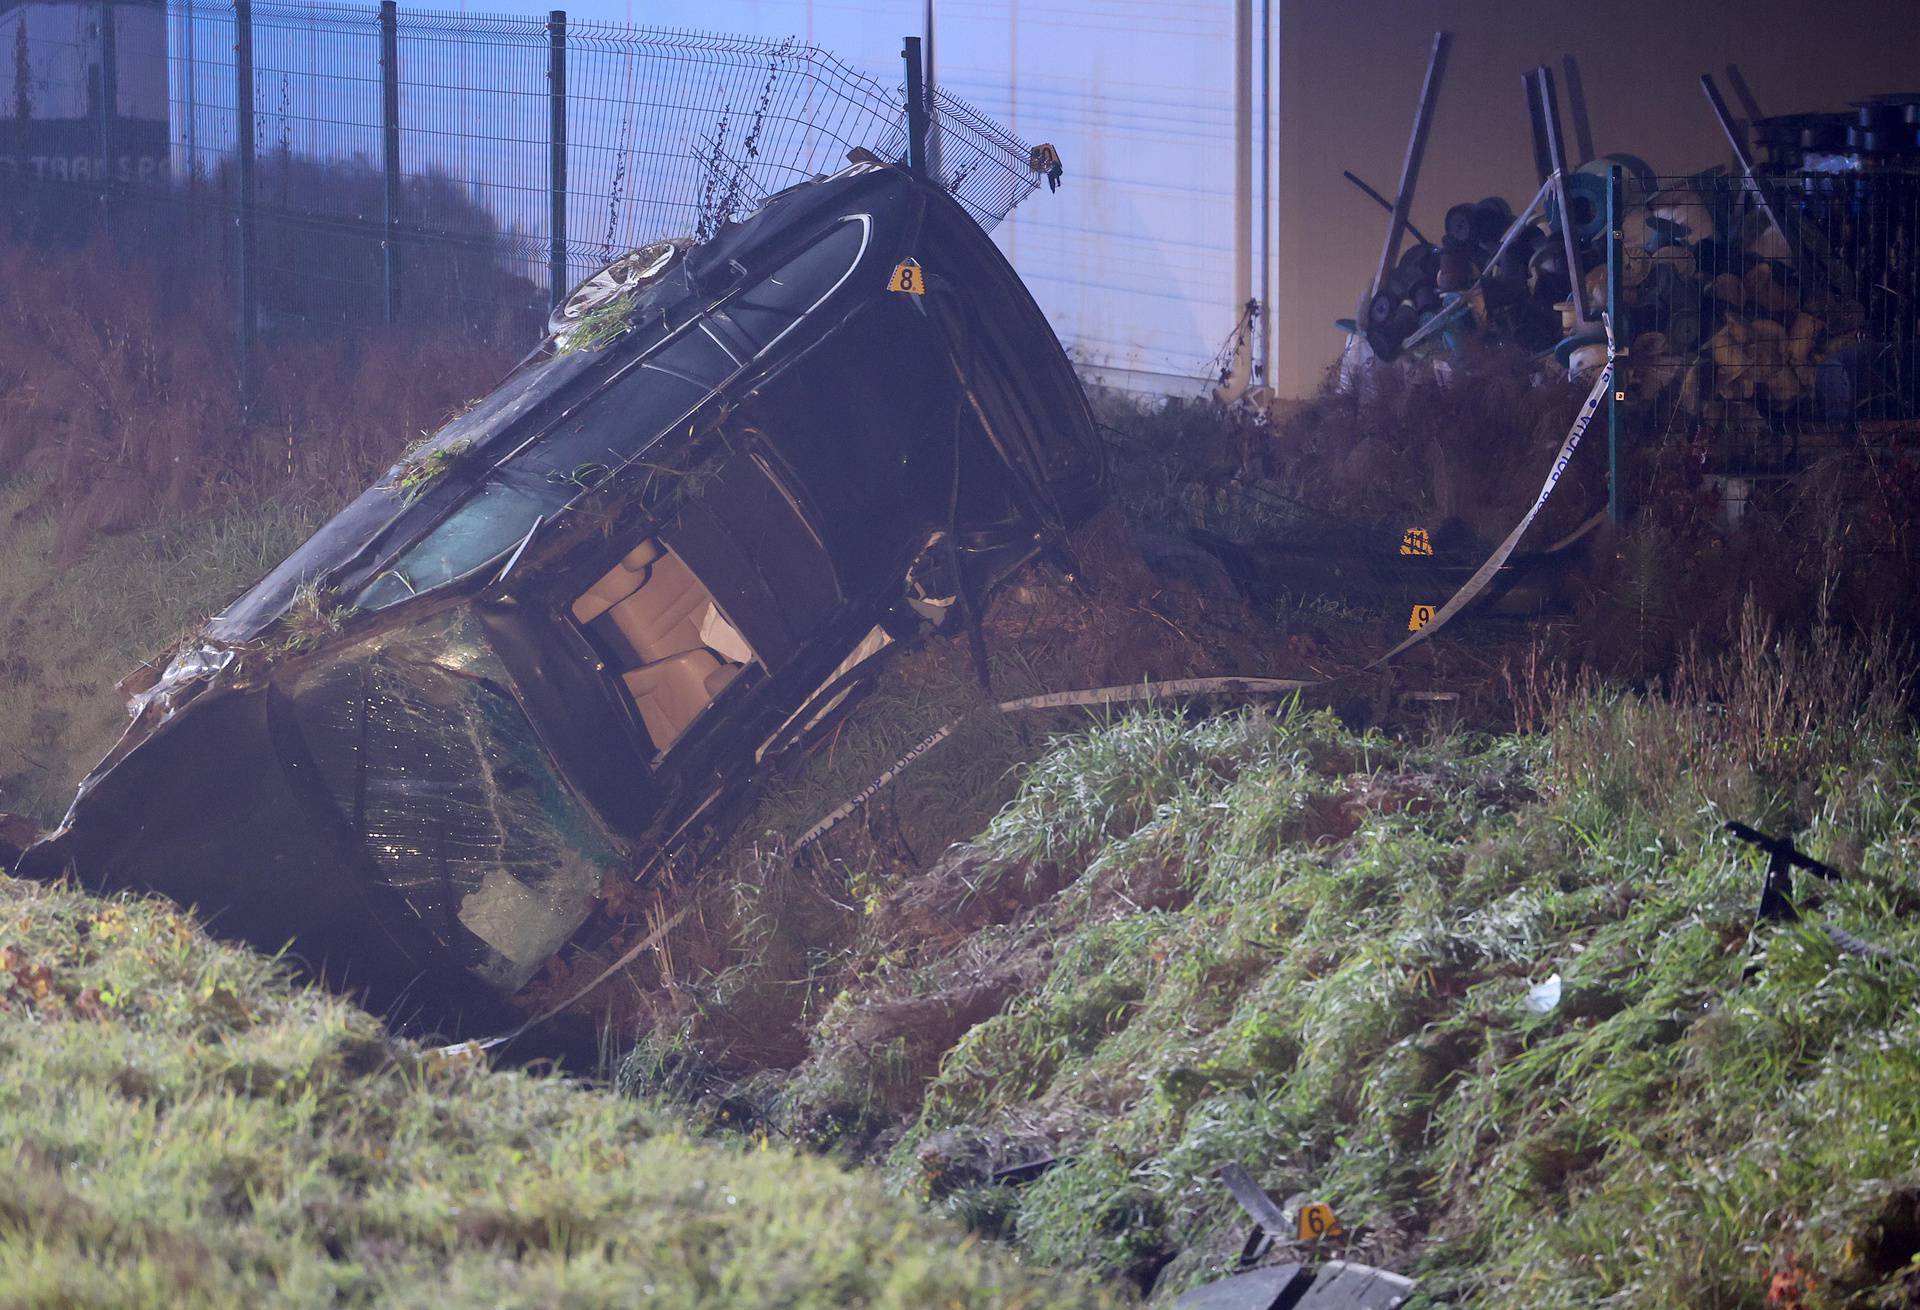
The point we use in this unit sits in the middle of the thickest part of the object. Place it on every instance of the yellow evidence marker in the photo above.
(1317, 1221)
(1422, 615)
(907, 277)
(1415, 541)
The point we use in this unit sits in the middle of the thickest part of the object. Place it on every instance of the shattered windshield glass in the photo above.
(431, 761)
(383, 512)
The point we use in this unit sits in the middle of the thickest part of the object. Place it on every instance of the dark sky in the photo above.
(1350, 78)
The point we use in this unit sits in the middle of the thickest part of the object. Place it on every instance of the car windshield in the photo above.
(484, 529)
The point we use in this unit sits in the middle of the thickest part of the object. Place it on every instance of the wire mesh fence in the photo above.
(362, 162)
(1771, 322)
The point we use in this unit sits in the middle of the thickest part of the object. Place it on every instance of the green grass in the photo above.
(1308, 950)
(70, 630)
(181, 1126)
(1253, 937)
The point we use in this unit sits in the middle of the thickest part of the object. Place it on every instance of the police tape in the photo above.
(1473, 586)
(1248, 687)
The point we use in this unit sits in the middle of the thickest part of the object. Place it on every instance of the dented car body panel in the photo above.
(560, 642)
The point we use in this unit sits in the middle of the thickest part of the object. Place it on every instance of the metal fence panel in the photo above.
(666, 133)
(1767, 344)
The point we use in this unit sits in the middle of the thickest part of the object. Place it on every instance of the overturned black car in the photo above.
(561, 641)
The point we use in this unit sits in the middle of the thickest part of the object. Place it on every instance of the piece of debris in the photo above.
(1276, 1287)
(560, 643)
(1264, 1210)
(1336, 1285)
(1343, 1285)
(1544, 997)
(1025, 1172)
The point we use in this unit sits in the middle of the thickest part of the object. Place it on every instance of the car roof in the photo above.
(519, 424)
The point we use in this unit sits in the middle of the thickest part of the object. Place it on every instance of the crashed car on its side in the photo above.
(563, 638)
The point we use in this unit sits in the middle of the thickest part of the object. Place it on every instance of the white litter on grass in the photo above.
(1543, 997)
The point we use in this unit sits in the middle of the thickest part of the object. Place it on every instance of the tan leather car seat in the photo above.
(621, 581)
(671, 692)
(668, 617)
(663, 617)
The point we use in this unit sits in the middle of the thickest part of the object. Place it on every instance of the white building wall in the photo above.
(1132, 259)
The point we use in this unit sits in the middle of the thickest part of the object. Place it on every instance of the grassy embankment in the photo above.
(180, 1126)
(69, 631)
(1254, 937)
(1265, 938)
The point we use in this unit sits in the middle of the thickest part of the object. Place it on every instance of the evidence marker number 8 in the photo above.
(907, 277)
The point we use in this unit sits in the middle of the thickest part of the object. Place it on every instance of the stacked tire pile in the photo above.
(1524, 296)
(1731, 324)
(1874, 135)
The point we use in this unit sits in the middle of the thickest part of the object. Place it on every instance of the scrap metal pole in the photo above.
(1801, 237)
(1748, 105)
(390, 154)
(1741, 158)
(1576, 276)
(1577, 108)
(1542, 160)
(1616, 300)
(1384, 203)
(916, 109)
(244, 161)
(557, 158)
(1416, 150)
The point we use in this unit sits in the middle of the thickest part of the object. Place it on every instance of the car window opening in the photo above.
(677, 652)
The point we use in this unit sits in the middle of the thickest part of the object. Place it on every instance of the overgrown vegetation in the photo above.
(1264, 937)
(181, 1126)
(600, 327)
(119, 392)
(70, 630)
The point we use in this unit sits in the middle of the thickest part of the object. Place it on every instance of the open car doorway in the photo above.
(663, 634)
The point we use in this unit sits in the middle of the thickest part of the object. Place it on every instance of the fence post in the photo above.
(916, 110)
(243, 149)
(557, 136)
(109, 92)
(1617, 391)
(390, 153)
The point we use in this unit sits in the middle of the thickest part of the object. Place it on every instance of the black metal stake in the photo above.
(390, 153)
(916, 110)
(243, 119)
(557, 166)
